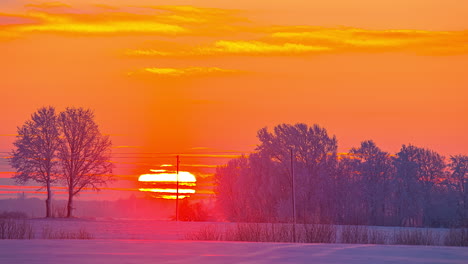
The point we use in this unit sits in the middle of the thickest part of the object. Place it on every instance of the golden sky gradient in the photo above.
(203, 76)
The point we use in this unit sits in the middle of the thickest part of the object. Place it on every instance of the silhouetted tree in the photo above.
(258, 187)
(375, 170)
(230, 197)
(418, 170)
(192, 211)
(365, 186)
(459, 176)
(314, 161)
(84, 153)
(36, 145)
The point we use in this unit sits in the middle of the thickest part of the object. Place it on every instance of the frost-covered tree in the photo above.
(459, 176)
(35, 154)
(365, 186)
(230, 196)
(313, 154)
(418, 171)
(259, 187)
(84, 153)
(375, 170)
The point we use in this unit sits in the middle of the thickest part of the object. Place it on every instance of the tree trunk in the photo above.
(48, 201)
(70, 203)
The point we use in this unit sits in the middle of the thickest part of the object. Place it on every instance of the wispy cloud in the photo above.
(257, 47)
(292, 41)
(93, 24)
(227, 32)
(58, 17)
(200, 148)
(48, 5)
(179, 72)
(197, 15)
(348, 39)
(237, 47)
(106, 7)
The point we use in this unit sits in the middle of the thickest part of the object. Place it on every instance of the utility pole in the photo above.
(177, 193)
(293, 196)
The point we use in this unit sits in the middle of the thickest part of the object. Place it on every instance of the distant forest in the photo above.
(366, 186)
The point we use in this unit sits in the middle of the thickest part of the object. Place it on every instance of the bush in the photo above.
(280, 233)
(49, 233)
(414, 237)
(457, 237)
(206, 233)
(13, 215)
(192, 211)
(247, 232)
(251, 232)
(15, 229)
(254, 232)
(319, 234)
(376, 237)
(354, 235)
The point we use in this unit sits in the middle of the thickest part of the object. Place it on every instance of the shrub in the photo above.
(355, 235)
(13, 215)
(280, 233)
(319, 234)
(49, 233)
(247, 232)
(414, 237)
(15, 229)
(377, 236)
(206, 233)
(457, 237)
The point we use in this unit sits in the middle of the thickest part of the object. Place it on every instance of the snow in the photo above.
(170, 251)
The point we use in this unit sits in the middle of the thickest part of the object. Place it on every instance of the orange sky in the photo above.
(208, 74)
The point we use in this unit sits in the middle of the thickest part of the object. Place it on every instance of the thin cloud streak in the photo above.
(348, 39)
(62, 24)
(93, 23)
(225, 47)
(260, 48)
(48, 5)
(122, 20)
(180, 72)
(292, 41)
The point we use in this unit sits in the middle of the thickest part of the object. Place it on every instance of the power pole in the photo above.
(293, 196)
(177, 193)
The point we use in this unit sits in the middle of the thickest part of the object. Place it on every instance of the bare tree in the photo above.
(84, 153)
(36, 148)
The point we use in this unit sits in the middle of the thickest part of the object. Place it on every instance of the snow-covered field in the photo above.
(170, 251)
(149, 241)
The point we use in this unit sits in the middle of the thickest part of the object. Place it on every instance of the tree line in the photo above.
(65, 147)
(366, 186)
